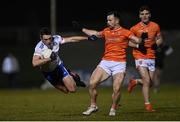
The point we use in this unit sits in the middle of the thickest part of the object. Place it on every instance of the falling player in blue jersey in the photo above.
(46, 57)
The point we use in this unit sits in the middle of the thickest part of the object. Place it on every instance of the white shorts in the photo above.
(149, 63)
(112, 67)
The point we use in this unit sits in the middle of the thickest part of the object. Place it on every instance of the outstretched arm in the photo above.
(74, 39)
(91, 32)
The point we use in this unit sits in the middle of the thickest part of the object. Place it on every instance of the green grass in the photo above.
(51, 104)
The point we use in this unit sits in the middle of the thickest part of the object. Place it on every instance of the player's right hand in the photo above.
(142, 48)
(144, 36)
(77, 26)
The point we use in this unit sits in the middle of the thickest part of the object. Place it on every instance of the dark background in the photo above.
(36, 12)
(21, 20)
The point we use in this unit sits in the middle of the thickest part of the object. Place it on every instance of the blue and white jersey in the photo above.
(40, 47)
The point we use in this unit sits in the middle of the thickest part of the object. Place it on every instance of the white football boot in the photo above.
(90, 110)
(112, 112)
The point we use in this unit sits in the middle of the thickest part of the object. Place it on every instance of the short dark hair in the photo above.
(144, 7)
(115, 13)
(44, 31)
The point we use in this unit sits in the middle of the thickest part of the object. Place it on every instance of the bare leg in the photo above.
(97, 77)
(117, 83)
(61, 88)
(146, 83)
(69, 83)
(156, 79)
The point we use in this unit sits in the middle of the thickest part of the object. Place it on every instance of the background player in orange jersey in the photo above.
(145, 55)
(113, 62)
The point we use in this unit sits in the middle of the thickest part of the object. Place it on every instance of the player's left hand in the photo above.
(92, 38)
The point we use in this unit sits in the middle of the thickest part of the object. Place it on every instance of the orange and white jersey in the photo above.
(153, 31)
(116, 42)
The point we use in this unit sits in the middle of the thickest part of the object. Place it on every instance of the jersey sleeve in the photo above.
(128, 34)
(102, 33)
(60, 39)
(39, 48)
(38, 51)
(132, 29)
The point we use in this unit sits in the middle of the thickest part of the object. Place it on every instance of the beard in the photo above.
(110, 26)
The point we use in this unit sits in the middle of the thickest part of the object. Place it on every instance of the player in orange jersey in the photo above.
(145, 55)
(113, 62)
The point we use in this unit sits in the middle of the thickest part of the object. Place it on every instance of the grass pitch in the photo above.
(52, 105)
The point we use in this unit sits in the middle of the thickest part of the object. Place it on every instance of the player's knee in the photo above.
(72, 90)
(146, 81)
(116, 90)
(61, 88)
(92, 84)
